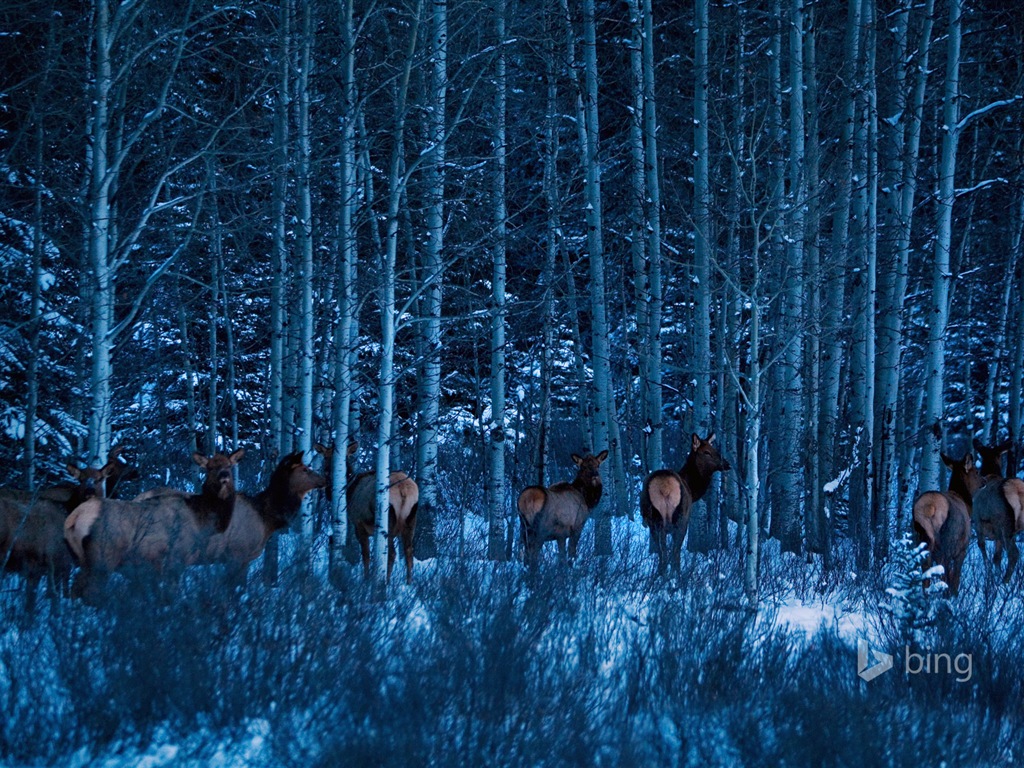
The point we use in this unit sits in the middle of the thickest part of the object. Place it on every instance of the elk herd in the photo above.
(82, 529)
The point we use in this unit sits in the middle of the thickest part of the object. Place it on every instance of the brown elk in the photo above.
(256, 518)
(998, 507)
(667, 497)
(403, 502)
(942, 519)
(328, 454)
(559, 512)
(32, 531)
(163, 534)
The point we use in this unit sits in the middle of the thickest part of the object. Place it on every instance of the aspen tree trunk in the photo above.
(280, 432)
(345, 334)
(878, 533)
(835, 278)
(1015, 394)
(701, 533)
(388, 309)
(791, 471)
(862, 353)
(213, 316)
(307, 358)
(734, 429)
(496, 502)
(433, 268)
(938, 317)
(278, 288)
(817, 525)
(655, 440)
(910, 94)
(102, 286)
(35, 316)
(752, 470)
(552, 240)
(638, 242)
(603, 417)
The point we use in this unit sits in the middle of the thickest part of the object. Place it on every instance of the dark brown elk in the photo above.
(119, 471)
(328, 455)
(942, 519)
(668, 496)
(256, 518)
(559, 512)
(403, 501)
(32, 531)
(162, 534)
(998, 508)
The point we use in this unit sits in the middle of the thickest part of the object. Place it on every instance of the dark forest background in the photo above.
(488, 234)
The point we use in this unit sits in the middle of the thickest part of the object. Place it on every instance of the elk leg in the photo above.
(391, 556)
(573, 543)
(561, 548)
(31, 588)
(364, 547)
(981, 545)
(998, 557)
(677, 547)
(1013, 556)
(407, 549)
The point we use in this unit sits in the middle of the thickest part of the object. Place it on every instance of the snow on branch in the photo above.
(980, 185)
(980, 111)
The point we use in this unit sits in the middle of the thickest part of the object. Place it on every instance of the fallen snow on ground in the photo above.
(808, 618)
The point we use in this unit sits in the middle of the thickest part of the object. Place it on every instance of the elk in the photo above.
(32, 531)
(119, 470)
(163, 533)
(257, 518)
(998, 507)
(328, 454)
(560, 511)
(668, 496)
(403, 501)
(942, 519)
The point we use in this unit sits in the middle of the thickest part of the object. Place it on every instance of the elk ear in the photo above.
(946, 460)
(695, 442)
(114, 452)
(74, 471)
(236, 457)
(711, 438)
(199, 459)
(107, 469)
(577, 459)
(602, 456)
(1004, 446)
(352, 448)
(977, 445)
(323, 450)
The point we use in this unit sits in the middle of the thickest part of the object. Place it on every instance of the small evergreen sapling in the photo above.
(912, 612)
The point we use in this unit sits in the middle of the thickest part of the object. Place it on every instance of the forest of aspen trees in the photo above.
(472, 239)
